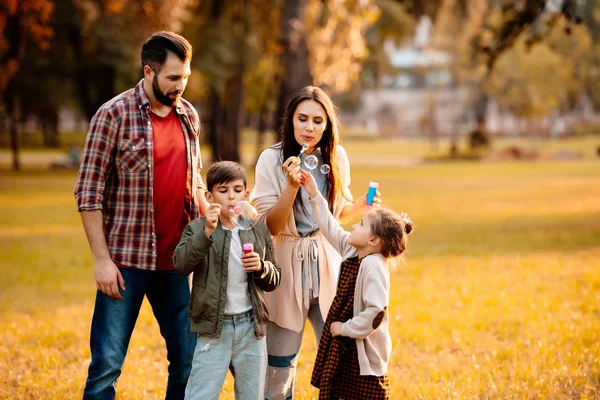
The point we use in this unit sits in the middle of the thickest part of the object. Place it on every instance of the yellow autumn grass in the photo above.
(499, 297)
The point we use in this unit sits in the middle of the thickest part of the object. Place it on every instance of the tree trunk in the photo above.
(95, 82)
(590, 21)
(49, 122)
(262, 127)
(235, 115)
(11, 103)
(96, 85)
(296, 73)
(480, 108)
(214, 104)
(231, 120)
(14, 141)
(50, 135)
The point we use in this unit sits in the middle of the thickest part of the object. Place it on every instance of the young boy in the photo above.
(227, 306)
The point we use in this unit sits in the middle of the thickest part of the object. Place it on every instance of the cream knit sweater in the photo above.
(286, 303)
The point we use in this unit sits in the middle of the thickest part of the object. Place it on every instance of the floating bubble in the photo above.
(243, 215)
(325, 169)
(311, 162)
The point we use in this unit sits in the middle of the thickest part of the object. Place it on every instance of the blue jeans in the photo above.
(238, 350)
(112, 325)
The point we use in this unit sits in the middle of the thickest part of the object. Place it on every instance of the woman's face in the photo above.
(310, 121)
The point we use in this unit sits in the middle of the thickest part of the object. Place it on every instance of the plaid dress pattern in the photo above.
(337, 373)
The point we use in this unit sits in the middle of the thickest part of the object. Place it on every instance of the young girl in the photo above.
(309, 265)
(355, 346)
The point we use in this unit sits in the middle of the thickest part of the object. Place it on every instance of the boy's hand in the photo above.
(251, 262)
(336, 328)
(212, 218)
(309, 184)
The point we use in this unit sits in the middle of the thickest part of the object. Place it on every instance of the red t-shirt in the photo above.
(170, 172)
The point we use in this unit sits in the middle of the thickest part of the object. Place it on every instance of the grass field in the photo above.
(499, 297)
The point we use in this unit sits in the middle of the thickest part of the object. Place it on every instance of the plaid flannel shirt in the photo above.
(116, 174)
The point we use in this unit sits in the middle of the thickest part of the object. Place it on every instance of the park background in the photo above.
(480, 118)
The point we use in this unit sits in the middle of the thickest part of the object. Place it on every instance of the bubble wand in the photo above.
(304, 148)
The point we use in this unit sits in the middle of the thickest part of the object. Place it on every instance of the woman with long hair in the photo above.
(309, 265)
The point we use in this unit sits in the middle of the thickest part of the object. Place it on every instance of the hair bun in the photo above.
(408, 225)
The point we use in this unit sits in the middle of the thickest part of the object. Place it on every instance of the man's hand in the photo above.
(109, 279)
(336, 328)
(212, 218)
(251, 262)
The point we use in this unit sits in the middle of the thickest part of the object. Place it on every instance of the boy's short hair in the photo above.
(223, 172)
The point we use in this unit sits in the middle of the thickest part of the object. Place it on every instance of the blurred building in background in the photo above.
(422, 98)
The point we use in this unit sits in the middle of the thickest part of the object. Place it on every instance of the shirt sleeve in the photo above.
(270, 277)
(200, 182)
(196, 125)
(97, 161)
(264, 194)
(330, 227)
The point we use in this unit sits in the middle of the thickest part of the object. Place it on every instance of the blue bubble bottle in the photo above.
(372, 192)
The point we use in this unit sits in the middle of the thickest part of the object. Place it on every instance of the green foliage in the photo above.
(395, 23)
(531, 81)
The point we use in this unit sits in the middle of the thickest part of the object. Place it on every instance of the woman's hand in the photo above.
(291, 169)
(360, 206)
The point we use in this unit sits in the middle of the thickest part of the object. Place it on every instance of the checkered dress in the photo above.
(337, 373)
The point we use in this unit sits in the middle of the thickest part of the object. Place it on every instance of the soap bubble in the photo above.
(325, 169)
(311, 162)
(243, 215)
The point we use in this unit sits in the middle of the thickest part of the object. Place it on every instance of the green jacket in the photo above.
(208, 259)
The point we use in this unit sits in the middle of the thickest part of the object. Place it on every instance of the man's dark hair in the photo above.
(158, 46)
(223, 172)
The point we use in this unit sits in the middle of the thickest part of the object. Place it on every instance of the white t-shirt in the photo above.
(238, 296)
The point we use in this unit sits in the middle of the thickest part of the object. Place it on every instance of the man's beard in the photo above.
(162, 98)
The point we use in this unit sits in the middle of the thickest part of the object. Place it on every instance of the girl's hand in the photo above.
(291, 169)
(251, 262)
(308, 183)
(336, 328)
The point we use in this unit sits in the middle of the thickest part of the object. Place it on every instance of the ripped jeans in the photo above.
(283, 346)
(237, 350)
